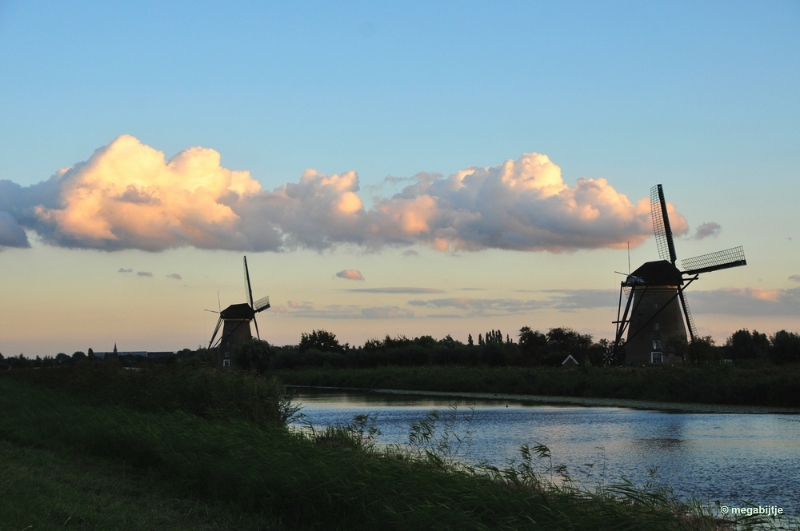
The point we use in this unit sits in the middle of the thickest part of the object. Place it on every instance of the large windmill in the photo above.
(656, 305)
(235, 322)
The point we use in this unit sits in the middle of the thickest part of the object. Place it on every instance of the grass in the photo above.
(717, 384)
(175, 465)
(46, 489)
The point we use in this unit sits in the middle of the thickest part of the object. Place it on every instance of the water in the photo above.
(731, 458)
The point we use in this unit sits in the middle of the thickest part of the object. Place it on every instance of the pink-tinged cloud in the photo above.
(129, 196)
(796, 278)
(350, 274)
(174, 276)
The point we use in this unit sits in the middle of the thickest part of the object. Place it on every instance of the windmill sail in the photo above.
(713, 261)
(688, 313)
(261, 304)
(248, 292)
(661, 227)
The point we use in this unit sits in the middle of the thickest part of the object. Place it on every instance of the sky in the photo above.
(400, 168)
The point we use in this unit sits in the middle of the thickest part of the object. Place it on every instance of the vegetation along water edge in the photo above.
(234, 458)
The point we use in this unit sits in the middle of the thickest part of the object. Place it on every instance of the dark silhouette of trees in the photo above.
(320, 340)
(785, 347)
(253, 354)
(744, 344)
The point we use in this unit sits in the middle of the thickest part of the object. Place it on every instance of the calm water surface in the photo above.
(728, 457)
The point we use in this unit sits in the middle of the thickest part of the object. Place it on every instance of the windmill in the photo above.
(655, 306)
(235, 322)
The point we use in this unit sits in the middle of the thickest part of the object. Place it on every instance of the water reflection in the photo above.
(726, 457)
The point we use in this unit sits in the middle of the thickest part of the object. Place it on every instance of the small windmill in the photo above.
(656, 305)
(235, 322)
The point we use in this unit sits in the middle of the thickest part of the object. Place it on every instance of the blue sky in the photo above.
(701, 97)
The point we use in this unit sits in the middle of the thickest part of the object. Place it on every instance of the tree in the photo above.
(78, 356)
(320, 340)
(532, 345)
(253, 354)
(785, 347)
(701, 350)
(469, 342)
(676, 345)
(62, 358)
(746, 345)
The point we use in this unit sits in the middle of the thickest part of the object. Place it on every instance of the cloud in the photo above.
(395, 290)
(11, 234)
(709, 229)
(796, 278)
(175, 276)
(123, 270)
(386, 312)
(583, 298)
(481, 306)
(350, 274)
(129, 196)
(410, 252)
(339, 311)
(560, 300)
(746, 301)
(144, 274)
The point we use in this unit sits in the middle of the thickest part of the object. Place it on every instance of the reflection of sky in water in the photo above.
(725, 457)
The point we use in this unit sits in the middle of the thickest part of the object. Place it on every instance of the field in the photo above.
(99, 447)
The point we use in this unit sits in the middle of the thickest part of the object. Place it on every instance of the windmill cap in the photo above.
(660, 273)
(237, 311)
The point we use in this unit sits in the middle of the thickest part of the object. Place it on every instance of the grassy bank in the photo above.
(716, 384)
(263, 476)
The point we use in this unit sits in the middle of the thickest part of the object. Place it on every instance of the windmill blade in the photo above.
(212, 311)
(214, 335)
(261, 304)
(712, 261)
(258, 335)
(248, 292)
(688, 314)
(661, 227)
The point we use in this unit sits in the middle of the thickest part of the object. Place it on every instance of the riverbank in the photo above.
(763, 389)
(224, 465)
(572, 401)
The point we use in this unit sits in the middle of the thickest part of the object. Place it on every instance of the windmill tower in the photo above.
(655, 306)
(235, 322)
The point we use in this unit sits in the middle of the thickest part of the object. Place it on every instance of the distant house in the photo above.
(569, 360)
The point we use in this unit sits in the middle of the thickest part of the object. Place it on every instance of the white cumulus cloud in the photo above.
(130, 196)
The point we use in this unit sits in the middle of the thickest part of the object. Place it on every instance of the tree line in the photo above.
(321, 348)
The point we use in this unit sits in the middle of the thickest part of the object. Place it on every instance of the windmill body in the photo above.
(656, 313)
(235, 322)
